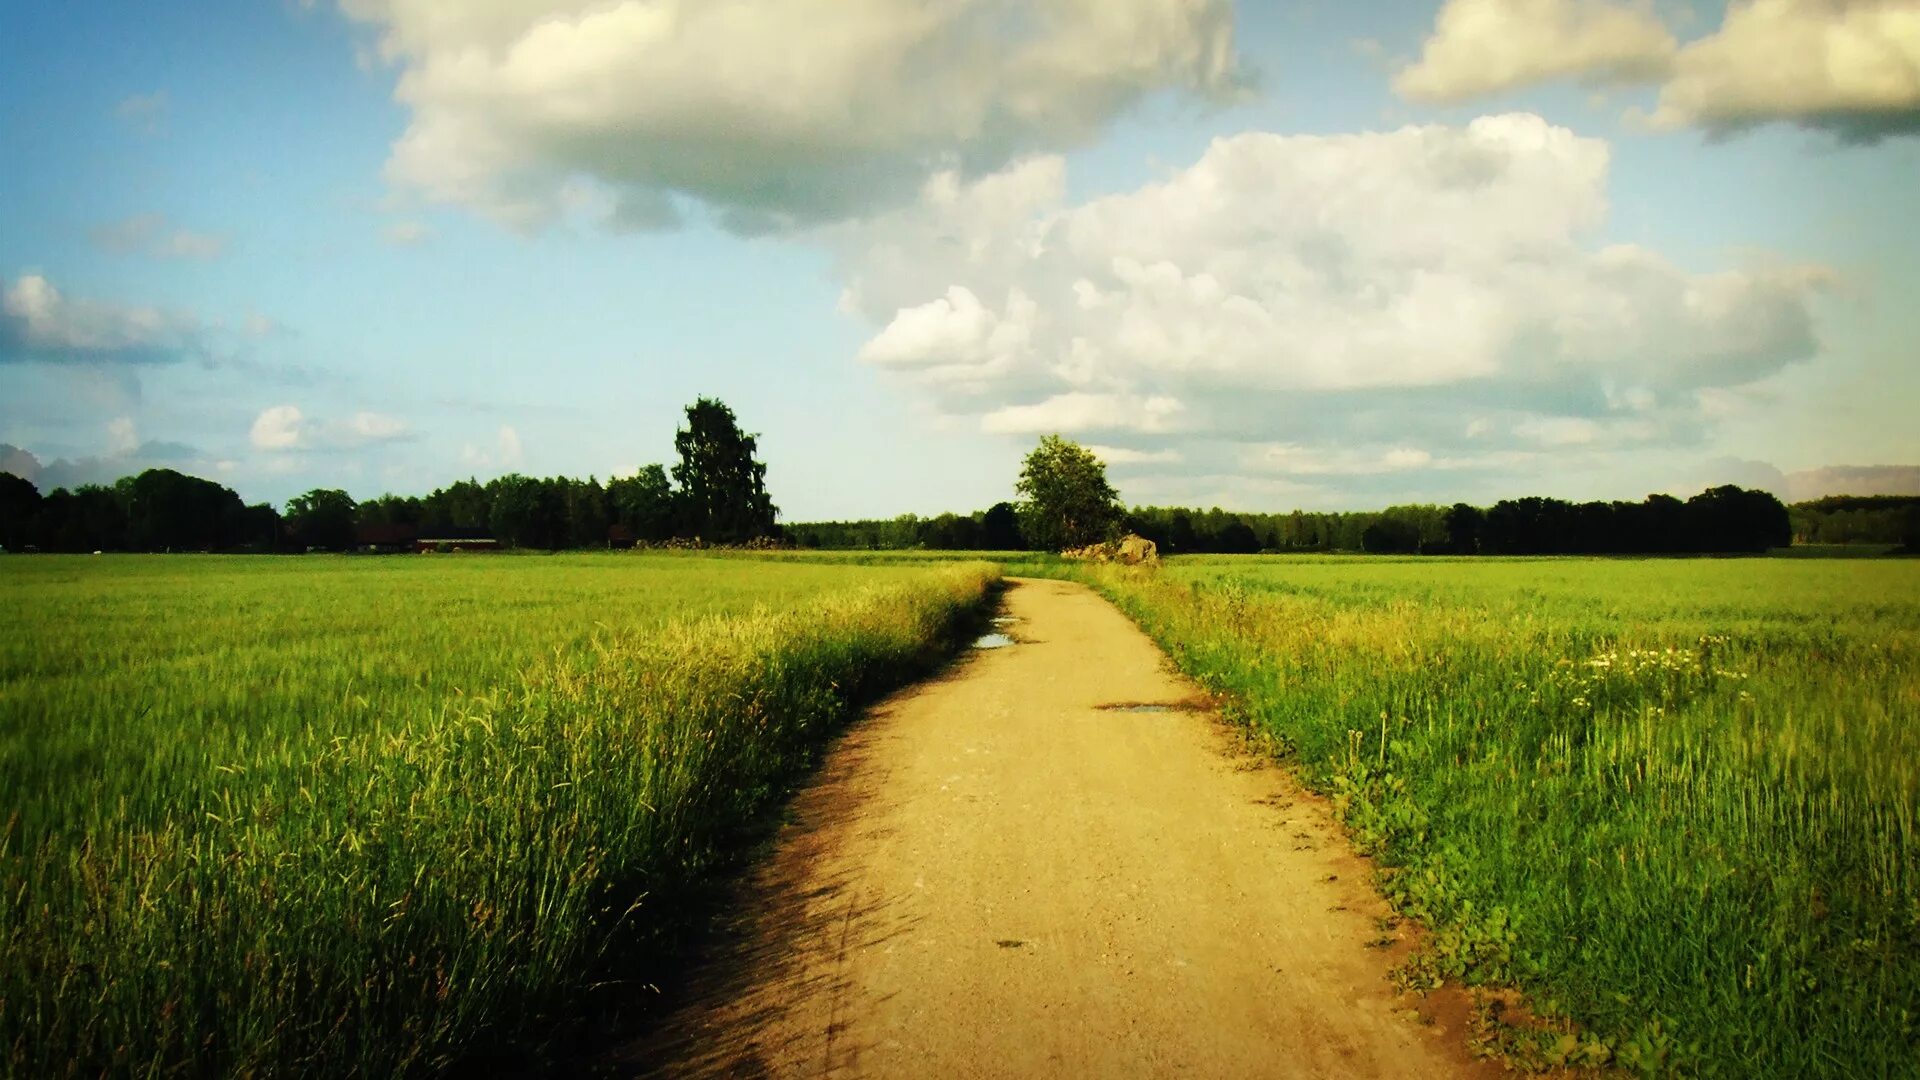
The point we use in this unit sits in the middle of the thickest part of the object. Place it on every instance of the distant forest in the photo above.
(163, 510)
(1724, 519)
(1858, 519)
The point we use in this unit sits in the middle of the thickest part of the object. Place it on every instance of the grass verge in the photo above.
(392, 886)
(1673, 800)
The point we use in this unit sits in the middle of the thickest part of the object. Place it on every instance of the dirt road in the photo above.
(1000, 874)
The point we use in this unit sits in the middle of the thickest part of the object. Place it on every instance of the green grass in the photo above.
(1673, 799)
(330, 815)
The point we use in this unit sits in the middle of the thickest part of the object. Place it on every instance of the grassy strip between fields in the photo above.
(412, 892)
(1695, 850)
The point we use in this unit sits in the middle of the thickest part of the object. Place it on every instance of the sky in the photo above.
(1264, 256)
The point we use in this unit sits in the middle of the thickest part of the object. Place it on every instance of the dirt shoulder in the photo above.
(999, 874)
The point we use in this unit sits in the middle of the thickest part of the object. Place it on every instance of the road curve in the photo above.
(997, 873)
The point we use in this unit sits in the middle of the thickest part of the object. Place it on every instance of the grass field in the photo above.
(335, 814)
(1675, 799)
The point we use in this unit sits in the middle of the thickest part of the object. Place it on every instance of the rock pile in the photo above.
(1129, 550)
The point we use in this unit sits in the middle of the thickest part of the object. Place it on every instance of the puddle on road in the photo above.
(992, 641)
(1153, 706)
(1004, 620)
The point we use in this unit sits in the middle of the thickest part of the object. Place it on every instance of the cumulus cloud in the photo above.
(1852, 480)
(277, 428)
(768, 111)
(1082, 413)
(1296, 460)
(286, 427)
(1431, 297)
(505, 453)
(122, 435)
(121, 457)
(1482, 47)
(153, 236)
(20, 462)
(1849, 66)
(1127, 455)
(38, 322)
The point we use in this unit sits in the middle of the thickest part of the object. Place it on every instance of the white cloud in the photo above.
(1852, 480)
(1125, 455)
(1849, 66)
(286, 427)
(769, 111)
(19, 462)
(370, 427)
(1852, 66)
(955, 338)
(152, 236)
(506, 452)
(1410, 295)
(1482, 47)
(1078, 413)
(281, 427)
(122, 436)
(1293, 459)
(124, 455)
(38, 322)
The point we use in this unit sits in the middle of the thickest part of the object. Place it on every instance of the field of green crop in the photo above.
(333, 814)
(1674, 799)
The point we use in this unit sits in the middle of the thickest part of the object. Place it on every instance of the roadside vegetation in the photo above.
(333, 816)
(1673, 800)
(384, 816)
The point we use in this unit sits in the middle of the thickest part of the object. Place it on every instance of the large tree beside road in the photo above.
(1065, 500)
(723, 492)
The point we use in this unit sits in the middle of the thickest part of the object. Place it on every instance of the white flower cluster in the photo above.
(1628, 675)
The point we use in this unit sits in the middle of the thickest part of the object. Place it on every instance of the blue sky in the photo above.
(1265, 256)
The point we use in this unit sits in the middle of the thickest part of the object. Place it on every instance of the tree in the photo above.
(322, 518)
(462, 505)
(1237, 538)
(259, 529)
(1065, 500)
(1730, 518)
(1391, 536)
(586, 514)
(19, 511)
(89, 518)
(168, 511)
(390, 510)
(1463, 524)
(723, 493)
(527, 512)
(643, 503)
(1181, 539)
(1000, 529)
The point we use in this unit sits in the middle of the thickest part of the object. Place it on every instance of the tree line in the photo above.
(1066, 502)
(996, 528)
(1858, 519)
(716, 494)
(1530, 526)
